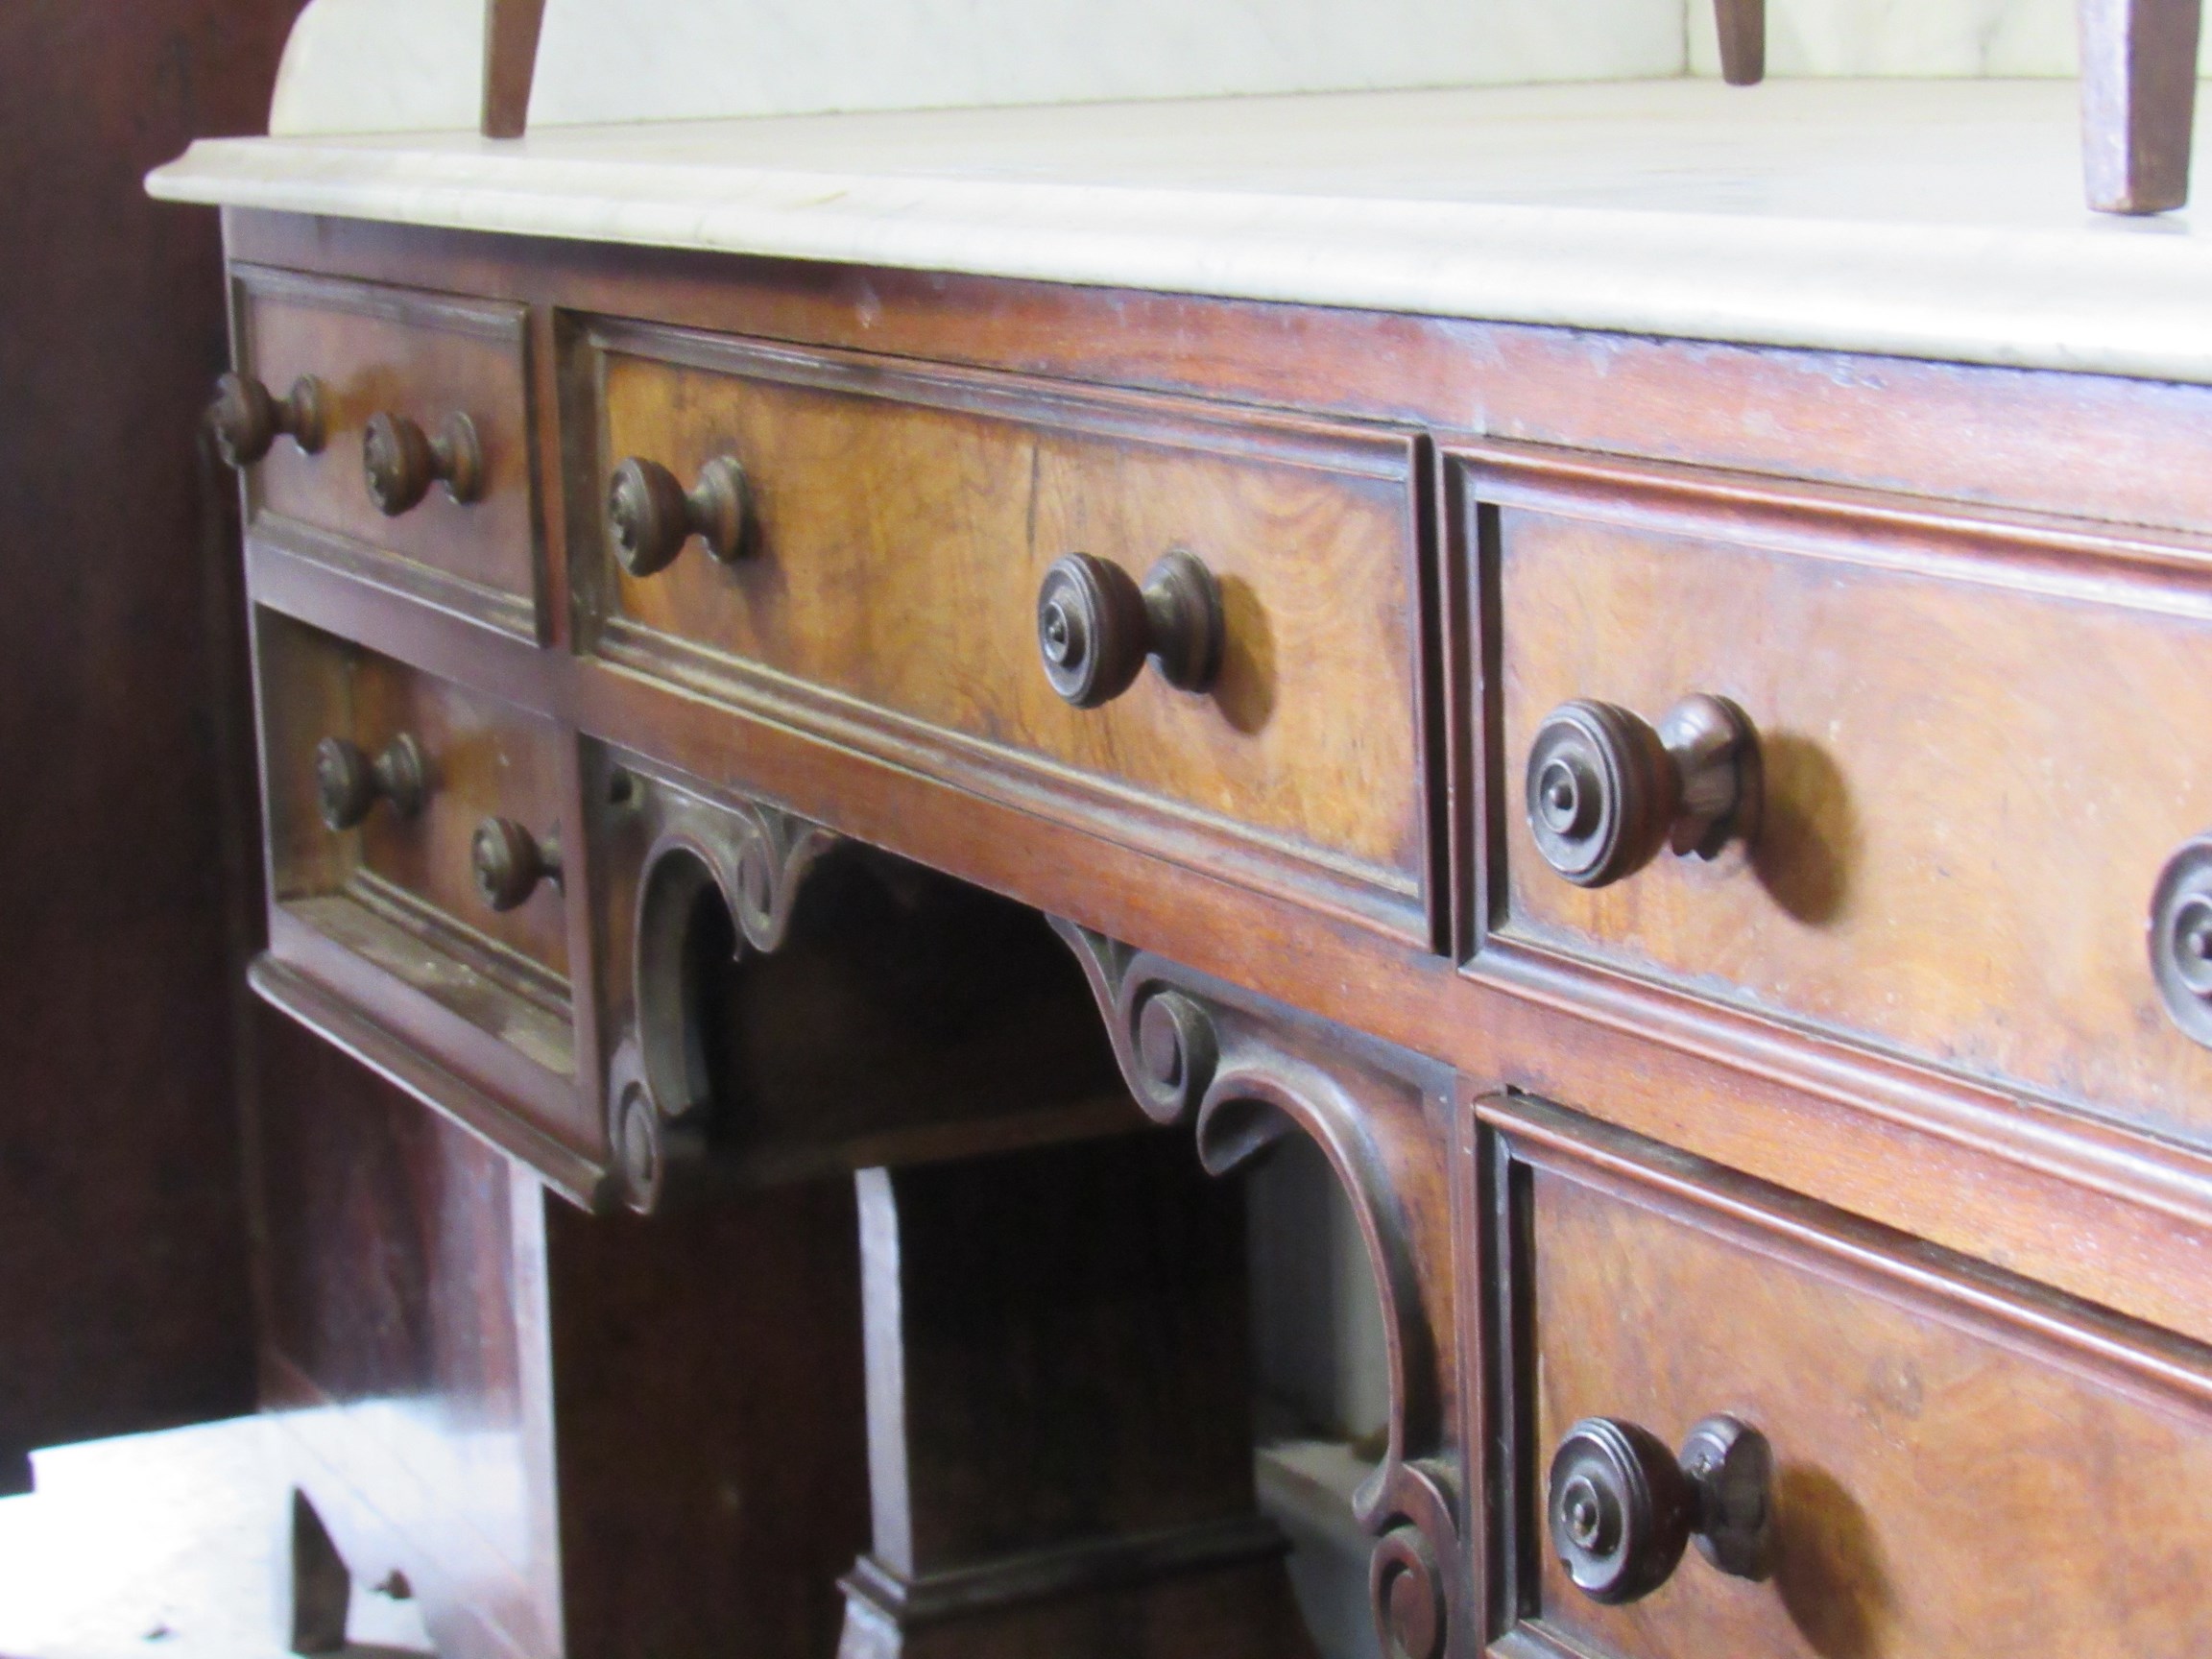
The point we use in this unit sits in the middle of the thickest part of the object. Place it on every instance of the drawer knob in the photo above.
(2182, 938)
(1606, 790)
(509, 862)
(402, 461)
(347, 783)
(650, 514)
(1096, 626)
(247, 420)
(1623, 1507)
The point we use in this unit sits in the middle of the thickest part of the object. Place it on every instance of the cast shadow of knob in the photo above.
(1829, 1567)
(1809, 839)
(1245, 692)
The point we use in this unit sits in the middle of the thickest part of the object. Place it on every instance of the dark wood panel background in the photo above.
(123, 1296)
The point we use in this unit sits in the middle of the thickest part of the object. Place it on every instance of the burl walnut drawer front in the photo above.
(1736, 1424)
(1978, 749)
(418, 826)
(866, 547)
(415, 468)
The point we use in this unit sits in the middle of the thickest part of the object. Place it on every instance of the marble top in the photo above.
(1937, 219)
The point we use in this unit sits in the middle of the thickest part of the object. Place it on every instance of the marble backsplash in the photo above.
(382, 65)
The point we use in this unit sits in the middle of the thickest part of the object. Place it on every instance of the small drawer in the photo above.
(416, 469)
(1979, 747)
(885, 573)
(1732, 1422)
(418, 826)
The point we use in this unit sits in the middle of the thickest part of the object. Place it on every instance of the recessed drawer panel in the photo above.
(1881, 1451)
(888, 578)
(420, 473)
(1978, 749)
(418, 826)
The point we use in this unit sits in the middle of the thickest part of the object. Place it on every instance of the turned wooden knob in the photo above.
(347, 783)
(1605, 789)
(247, 420)
(509, 862)
(1096, 627)
(650, 514)
(402, 461)
(2182, 938)
(1622, 1507)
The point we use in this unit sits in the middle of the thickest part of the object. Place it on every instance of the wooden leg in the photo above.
(313, 1586)
(1059, 1434)
(2138, 101)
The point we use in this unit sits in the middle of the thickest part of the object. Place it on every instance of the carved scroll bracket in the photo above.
(1247, 1072)
(756, 857)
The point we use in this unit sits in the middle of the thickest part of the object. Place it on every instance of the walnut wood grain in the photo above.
(902, 521)
(1964, 1465)
(1976, 748)
(423, 357)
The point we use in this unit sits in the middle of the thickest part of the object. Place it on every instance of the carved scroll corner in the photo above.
(1166, 1041)
(1410, 1575)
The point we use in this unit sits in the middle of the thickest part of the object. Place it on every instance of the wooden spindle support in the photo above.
(2138, 101)
(1742, 26)
(509, 61)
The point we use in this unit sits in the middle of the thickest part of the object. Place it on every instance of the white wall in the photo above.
(379, 65)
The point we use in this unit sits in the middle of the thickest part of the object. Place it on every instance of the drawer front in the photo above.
(1960, 1467)
(1977, 753)
(902, 522)
(397, 881)
(423, 359)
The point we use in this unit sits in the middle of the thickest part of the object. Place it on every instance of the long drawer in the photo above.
(1947, 1465)
(884, 579)
(1979, 747)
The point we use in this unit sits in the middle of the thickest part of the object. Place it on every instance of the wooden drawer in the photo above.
(399, 885)
(903, 519)
(424, 359)
(1980, 744)
(1960, 1465)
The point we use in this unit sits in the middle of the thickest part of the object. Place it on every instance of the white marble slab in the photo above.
(1929, 219)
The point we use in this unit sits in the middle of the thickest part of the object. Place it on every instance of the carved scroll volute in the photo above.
(1245, 1075)
(753, 858)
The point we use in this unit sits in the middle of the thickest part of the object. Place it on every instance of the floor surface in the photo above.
(162, 1546)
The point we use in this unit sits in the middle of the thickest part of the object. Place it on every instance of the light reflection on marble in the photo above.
(1926, 218)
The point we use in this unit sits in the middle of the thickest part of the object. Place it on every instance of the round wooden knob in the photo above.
(1606, 790)
(1096, 627)
(1622, 1508)
(402, 461)
(509, 862)
(2182, 938)
(247, 420)
(650, 514)
(347, 783)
